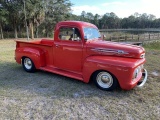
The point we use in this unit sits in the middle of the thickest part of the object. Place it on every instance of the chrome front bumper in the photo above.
(141, 83)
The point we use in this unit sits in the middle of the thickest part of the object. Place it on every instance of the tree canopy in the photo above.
(43, 14)
(40, 16)
(112, 21)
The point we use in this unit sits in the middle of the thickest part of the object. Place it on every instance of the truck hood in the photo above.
(101, 47)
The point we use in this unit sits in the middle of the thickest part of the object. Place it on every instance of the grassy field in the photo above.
(43, 95)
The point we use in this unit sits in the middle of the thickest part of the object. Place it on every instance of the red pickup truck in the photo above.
(78, 51)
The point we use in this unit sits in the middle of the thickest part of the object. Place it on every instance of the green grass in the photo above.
(153, 45)
(43, 95)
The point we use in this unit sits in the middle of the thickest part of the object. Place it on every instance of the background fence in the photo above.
(140, 38)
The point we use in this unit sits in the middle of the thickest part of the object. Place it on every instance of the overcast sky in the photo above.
(122, 8)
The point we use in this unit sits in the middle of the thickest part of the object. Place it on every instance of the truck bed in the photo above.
(43, 42)
(45, 45)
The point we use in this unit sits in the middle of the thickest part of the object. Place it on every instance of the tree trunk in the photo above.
(46, 33)
(2, 37)
(15, 32)
(37, 30)
(32, 30)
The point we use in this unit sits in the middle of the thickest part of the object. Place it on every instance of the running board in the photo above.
(62, 72)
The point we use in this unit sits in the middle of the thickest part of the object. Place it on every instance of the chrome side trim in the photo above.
(109, 51)
(142, 82)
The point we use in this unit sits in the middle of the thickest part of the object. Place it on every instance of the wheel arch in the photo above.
(91, 77)
(35, 54)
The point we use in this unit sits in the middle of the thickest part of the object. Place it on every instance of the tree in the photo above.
(55, 11)
(90, 17)
(96, 20)
(110, 20)
(151, 17)
(38, 12)
(42, 15)
(74, 17)
(14, 10)
(3, 19)
(83, 16)
(34, 15)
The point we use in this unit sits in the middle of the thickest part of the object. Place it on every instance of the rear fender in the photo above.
(35, 54)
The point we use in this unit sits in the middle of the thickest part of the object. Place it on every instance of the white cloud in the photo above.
(122, 9)
(151, 7)
(93, 9)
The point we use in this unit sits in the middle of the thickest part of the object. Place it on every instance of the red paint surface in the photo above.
(82, 58)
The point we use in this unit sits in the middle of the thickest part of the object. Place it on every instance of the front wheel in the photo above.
(105, 81)
(28, 65)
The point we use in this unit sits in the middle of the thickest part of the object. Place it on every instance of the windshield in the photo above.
(91, 33)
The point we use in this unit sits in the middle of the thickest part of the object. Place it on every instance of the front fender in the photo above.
(35, 54)
(121, 68)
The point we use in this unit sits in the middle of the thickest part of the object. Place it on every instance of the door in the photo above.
(68, 51)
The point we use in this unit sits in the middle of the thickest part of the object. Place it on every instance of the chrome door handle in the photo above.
(57, 45)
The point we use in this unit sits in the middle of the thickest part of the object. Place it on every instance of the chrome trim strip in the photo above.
(109, 51)
(144, 80)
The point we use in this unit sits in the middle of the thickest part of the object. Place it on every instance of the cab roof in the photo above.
(76, 23)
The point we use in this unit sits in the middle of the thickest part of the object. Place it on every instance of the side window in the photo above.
(70, 34)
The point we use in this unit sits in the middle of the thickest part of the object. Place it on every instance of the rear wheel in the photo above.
(105, 81)
(28, 64)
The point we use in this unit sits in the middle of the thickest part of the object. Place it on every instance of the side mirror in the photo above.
(85, 38)
(103, 37)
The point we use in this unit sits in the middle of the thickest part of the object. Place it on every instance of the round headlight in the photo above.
(136, 72)
(142, 55)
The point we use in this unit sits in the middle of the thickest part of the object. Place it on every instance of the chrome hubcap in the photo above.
(104, 79)
(27, 63)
